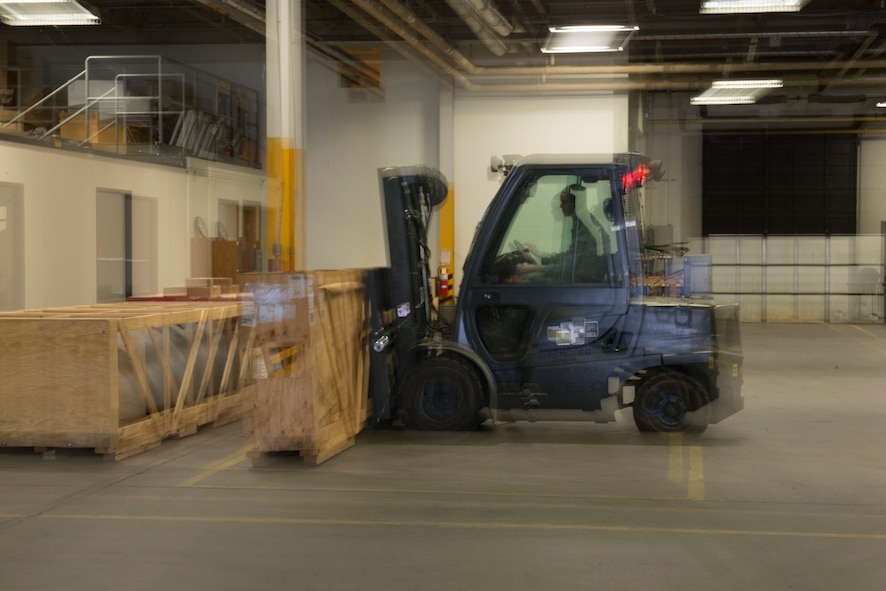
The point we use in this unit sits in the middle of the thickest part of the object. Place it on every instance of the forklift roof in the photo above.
(630, 159)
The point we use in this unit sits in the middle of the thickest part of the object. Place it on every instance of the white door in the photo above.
(12, 252)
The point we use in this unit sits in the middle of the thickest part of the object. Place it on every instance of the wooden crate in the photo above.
(118, 378)
(311, 395)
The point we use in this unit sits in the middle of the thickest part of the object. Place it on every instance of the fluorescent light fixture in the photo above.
(591, 29)
(736, 92)
(774, 83)
(46, 13)
(727, 99)
(750, 6)
(729, 96)
(882, 104)
(588, 38)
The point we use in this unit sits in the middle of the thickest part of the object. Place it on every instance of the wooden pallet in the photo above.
(311, 393)
(64, 372)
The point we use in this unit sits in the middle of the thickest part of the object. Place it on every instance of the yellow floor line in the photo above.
(696, 473)
(677, 472)
(469, 525)
(865, 331)
(675, 458)
(217, 466)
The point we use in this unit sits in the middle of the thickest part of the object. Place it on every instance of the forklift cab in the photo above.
(546, 290)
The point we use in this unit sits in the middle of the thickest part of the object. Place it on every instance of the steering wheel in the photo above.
(521, 248)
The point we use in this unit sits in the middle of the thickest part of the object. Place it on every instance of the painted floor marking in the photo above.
(215, 467)
(468, 525)
(693, 478)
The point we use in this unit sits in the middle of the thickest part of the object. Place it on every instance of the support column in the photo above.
(285, 134)
(447, 210)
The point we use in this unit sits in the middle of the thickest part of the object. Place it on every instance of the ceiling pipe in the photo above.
(750, 34)
(372, 8)
(410, 18)
(478, 26)
(674, 69)
(243, 15)
(464, 73)
(491, 16)
(360, 18)
(466, 70)
(853, 60)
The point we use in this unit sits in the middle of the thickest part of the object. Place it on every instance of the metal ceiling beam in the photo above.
(425, 46)
(237, 12)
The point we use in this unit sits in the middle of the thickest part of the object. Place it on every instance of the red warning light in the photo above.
(635, 177)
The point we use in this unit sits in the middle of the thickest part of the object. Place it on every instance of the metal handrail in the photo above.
(78, 112)
(45, 98)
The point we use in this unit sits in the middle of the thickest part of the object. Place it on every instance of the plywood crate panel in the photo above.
(118, 378)
(311, 394)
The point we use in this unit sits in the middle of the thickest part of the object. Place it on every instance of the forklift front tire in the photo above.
(441, 394)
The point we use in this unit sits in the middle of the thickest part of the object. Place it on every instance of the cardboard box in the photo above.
(212, 291)
(103, 134)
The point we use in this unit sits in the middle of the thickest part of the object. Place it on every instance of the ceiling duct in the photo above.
(478, 25)
(837, 99)
(491, 16)
(429, 49)
(244, 15)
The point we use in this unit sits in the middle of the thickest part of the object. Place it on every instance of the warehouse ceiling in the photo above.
(832, 47)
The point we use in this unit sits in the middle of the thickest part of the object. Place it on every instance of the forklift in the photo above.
(553, 319)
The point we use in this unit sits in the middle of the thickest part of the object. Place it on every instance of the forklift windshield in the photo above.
(559, 230)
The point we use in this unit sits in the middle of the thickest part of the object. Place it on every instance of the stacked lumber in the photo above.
(118, 378)
(309, 359)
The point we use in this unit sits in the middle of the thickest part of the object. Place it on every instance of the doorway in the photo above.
(12, 251)
(126, 246)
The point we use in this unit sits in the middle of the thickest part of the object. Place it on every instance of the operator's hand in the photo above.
(529, 252)
(533, 250)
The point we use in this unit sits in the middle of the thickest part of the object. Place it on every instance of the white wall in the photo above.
(488, 126)
(60, 190)
(871, 184)
(346, 143)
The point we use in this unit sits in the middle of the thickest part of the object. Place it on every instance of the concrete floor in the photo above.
(788, 494)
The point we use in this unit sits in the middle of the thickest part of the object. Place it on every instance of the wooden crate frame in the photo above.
(315, 399)
(59, 374)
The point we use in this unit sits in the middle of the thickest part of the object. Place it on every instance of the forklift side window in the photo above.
(558, 232)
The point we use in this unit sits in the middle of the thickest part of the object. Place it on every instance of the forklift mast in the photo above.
(401, 296)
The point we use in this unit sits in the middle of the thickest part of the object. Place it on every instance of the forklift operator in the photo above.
(577, 263)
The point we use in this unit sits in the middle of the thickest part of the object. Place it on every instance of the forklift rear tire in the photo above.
(441, 394)
(671, 402)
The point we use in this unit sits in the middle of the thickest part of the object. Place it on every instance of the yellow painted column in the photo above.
(285, 125)
(447, 237)
(447, 209)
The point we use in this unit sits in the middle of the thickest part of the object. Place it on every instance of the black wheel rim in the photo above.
(667, 405)
(440, 401)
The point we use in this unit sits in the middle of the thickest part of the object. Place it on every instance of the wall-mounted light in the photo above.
(750, 6)
(588, 38)
(36, 13)
(882, 104)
